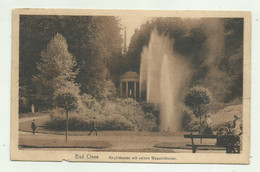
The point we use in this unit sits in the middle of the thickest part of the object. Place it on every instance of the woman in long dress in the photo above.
(236, 126)
(206, 125)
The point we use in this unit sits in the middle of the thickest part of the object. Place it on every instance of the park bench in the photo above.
(230, 147)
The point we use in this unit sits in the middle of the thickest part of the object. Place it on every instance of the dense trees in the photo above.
(94, 41)
(233, 62)
(74, 62)
(96, 44)
(214, 48)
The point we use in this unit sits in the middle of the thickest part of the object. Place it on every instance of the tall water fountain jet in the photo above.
(164, 76)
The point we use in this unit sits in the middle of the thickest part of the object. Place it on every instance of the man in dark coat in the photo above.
(33, 126)
(93, 126)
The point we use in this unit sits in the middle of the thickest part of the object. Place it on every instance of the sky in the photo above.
(131, 22)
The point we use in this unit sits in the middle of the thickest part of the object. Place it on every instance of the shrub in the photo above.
(152, 109)
(189, 121)
(133, 111)
(82, 122)
(119, 114)
(114, 122)
(128, 108)
(24, 99)
(89, 106)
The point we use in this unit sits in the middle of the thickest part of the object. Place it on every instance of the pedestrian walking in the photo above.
(93, 126)
(32, 108)
(33, 126)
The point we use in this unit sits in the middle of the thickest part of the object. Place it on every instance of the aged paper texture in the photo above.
(131, 86)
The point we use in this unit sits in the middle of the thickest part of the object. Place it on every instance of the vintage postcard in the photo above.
(131, 86)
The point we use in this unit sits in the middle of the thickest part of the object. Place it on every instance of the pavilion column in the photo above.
(126, 88)
(121, 88)
(135, 90)
(140, 92)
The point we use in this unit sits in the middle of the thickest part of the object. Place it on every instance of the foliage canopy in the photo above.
(197, 96)
(56, 71)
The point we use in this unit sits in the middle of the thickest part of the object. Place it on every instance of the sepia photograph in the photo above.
(131, 86)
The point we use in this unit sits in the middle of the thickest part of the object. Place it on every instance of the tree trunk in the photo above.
(200, 123)
(67, 124)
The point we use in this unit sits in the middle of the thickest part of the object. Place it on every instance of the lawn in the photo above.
(115, 141)
(129, 141)
(25, 123)
(33, 115)
(226, 114)
(106, 140)
(54, 141)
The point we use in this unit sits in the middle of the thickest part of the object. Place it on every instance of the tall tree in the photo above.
(95, 41)
(195, 98)
(67, 97)
(56, 68)
(101, 51)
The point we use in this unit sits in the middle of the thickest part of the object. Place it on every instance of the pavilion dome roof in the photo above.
(130, 75)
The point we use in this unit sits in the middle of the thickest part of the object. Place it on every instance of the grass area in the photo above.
(114, 141)
(31, 115)
(45, 141)
(219, 118)
(226, 114)
(117, 141)
(25, 125)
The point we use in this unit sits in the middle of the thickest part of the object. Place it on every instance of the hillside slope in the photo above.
(226, 114)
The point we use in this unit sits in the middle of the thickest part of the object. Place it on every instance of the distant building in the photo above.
(129, 85)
